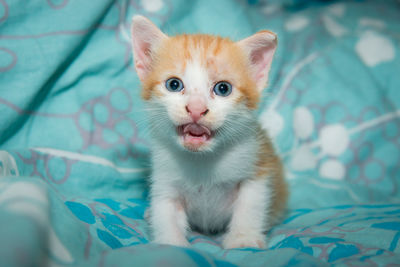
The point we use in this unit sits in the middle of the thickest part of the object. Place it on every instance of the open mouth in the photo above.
(194, 135)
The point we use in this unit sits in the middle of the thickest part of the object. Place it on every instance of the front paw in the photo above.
(172, 240)
(243, 239)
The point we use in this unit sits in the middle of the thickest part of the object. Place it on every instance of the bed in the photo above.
(74, 156)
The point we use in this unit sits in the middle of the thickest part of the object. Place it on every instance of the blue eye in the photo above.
(174, 85)
(223, 89)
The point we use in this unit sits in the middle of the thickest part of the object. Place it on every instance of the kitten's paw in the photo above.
(173, 241)
(241, 240)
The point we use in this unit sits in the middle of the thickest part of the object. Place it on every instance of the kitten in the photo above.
(214, 168)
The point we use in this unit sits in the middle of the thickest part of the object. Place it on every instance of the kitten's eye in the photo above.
(223, 89)
(174, 85)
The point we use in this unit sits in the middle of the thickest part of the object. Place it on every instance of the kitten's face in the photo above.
(200, 89)
(199, 84)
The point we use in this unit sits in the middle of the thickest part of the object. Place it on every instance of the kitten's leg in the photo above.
(249, 218)
(168, 221)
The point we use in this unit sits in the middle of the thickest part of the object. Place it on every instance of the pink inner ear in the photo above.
(145, 37)
(143, 61)
(144, 50)
(261, 59)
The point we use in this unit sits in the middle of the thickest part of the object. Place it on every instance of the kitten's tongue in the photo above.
(195, 135)
(196, 129)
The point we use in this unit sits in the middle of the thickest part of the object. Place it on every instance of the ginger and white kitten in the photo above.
(214, 168)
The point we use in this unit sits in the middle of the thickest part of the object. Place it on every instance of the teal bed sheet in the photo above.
(74, 156)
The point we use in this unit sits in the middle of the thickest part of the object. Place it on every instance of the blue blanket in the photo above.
(74, 156)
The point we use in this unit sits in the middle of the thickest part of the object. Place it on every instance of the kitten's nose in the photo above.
(196, 107)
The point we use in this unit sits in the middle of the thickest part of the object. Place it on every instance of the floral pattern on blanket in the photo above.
(74, 147)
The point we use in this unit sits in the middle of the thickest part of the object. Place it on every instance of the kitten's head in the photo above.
(200, 89)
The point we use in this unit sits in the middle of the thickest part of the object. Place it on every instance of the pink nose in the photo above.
(196, 107)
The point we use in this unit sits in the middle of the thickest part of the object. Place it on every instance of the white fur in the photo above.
(249, 218)
(208, 190)
(214, 189)
(168, 218)
(196, 78)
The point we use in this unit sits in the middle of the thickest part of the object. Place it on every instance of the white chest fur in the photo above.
(209, 207)
(205, 184)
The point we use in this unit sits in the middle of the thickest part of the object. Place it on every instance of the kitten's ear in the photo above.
(146, 37)
(260, 49)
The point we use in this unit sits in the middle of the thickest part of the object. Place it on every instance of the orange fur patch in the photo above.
(223, 58)
(269, 166)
